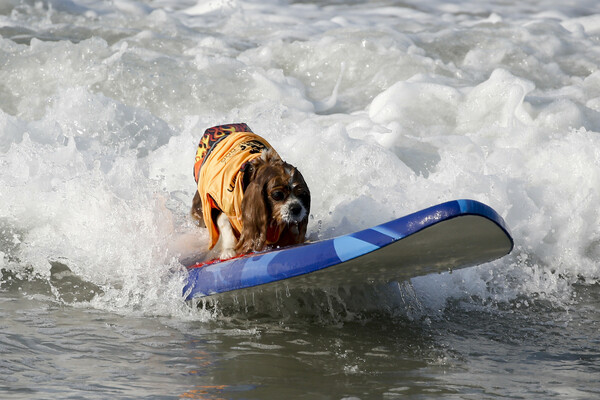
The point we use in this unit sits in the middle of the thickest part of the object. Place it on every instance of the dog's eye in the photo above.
(277, 195)
(301, 193)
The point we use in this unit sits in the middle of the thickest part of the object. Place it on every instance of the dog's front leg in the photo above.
(227, 237)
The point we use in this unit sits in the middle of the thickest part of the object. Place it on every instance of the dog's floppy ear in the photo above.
(251, 168)
(255, 219)
(270, 156)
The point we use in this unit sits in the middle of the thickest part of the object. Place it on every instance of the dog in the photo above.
(247, 196)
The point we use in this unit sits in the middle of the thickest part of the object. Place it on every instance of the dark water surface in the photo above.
(469, 350)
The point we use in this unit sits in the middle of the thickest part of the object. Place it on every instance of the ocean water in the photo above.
(386, 107)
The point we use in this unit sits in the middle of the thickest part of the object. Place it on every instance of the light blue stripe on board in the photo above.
(348, 247)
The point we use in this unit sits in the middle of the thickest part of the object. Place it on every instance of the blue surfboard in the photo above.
(441, 238)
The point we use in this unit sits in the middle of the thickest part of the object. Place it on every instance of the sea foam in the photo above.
(385, 110)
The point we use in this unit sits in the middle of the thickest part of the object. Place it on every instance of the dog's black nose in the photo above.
(296, 209)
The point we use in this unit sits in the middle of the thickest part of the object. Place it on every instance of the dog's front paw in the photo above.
(227, 253)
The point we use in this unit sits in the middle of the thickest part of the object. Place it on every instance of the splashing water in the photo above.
(385, 110)
(386, 107)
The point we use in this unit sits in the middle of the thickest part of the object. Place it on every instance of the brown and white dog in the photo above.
(247, 196)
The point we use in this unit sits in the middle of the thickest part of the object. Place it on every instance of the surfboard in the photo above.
(445, 237)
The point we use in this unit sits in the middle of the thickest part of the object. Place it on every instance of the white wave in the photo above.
(101, 109)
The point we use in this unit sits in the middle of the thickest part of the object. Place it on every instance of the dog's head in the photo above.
(276, 204)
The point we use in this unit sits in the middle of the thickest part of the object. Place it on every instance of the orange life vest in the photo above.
(219, 168)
